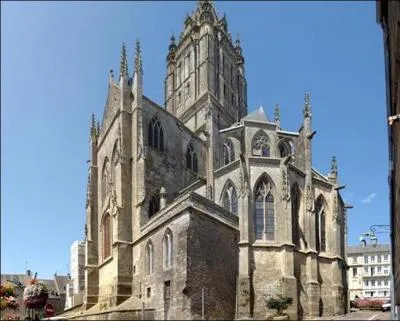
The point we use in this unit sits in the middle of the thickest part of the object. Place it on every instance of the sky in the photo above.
(55, 62)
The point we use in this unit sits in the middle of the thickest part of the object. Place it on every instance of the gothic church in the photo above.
(200, 210)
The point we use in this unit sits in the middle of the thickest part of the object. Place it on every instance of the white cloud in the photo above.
(369, 198)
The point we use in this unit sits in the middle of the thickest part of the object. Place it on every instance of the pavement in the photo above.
(360, 315)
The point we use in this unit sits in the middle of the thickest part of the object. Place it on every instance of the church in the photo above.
(200, 210)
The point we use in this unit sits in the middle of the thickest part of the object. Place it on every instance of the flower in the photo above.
(35, 295)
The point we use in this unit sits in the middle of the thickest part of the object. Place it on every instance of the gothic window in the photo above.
(168, 249)
(149, 258)
(191, 158)
(295, 200)
(231, 74)
(285, 148)
(155, 134)
(154, 204)
(105, 180)
(261, 145)
(106, 234)
(225, 91)
(229, 152)
(320, 228)
(264, 211)
(230, 199)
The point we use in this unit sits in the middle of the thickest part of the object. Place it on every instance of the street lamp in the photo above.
(374, 229)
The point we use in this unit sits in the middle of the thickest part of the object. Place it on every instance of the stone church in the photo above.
(197, 209)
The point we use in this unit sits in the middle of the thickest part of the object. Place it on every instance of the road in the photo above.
(361, 315)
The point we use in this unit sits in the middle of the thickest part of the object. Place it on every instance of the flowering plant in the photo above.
(7, 297)
(35, 295)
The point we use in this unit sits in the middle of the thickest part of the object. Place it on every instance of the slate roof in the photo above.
(257, 115)
(358, 249)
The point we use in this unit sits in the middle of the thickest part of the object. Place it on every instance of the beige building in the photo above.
(369, 271)
(199, 209)
(76, 282)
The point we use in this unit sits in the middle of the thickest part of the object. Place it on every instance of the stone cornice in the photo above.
(296, 170)
(322, 183)
(264, 160)
(227, 168)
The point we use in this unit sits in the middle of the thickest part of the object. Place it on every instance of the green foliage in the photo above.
(279, 303)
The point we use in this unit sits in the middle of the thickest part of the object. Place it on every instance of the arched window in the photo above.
(285, 148)
(264, 211)
(105, 179)
(191, 158)
(230, 200)
(149, 258)
(295, 200)
(106, 233)
(320, 229)
(168, 249)
(154, 204)
(229, 152)
(155, 134)
(260, 144)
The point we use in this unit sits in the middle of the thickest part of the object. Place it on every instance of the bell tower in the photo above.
(204, 62)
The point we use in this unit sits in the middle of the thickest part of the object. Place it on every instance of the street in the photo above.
(361, 315)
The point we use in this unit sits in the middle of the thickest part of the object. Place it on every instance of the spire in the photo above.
(138, 58)
(307, 105)
(111, 75)
(98, 128)
(93, 127)
(172, 49)
(238, 50)
(123, 69)
(276, 114)
(334, 165)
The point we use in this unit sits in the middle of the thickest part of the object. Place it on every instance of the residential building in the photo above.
(76, 283)
(199, 209)
(369, 271)
(388, 16)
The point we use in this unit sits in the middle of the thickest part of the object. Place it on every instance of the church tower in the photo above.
(205, 62)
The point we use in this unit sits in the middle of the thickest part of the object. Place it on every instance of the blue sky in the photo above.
(55, 59)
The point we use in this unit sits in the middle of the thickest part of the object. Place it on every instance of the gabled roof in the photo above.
(257, 115)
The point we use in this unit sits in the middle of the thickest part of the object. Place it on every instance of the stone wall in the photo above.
(212, 266)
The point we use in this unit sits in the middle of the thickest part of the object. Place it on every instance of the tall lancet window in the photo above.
(229, 152)
(149, 258)
(106, 236)
(230, 199)
(155, 134)
(295, 202)
(168, 249)
(320, 228)
(264, 212)
(191, 158)
(154, 204)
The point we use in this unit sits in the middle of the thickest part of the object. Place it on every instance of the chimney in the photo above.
(28, 272)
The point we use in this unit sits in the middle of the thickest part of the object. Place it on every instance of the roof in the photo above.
(257, 115)
(358, 249)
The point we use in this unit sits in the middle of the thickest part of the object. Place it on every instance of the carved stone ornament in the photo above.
(244, 190)
(336, 217)
(260, 141)
(113, 203)
(209, 109)
(309, 199)
(285, 187)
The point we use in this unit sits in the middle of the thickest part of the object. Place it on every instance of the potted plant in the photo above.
(279, 303)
